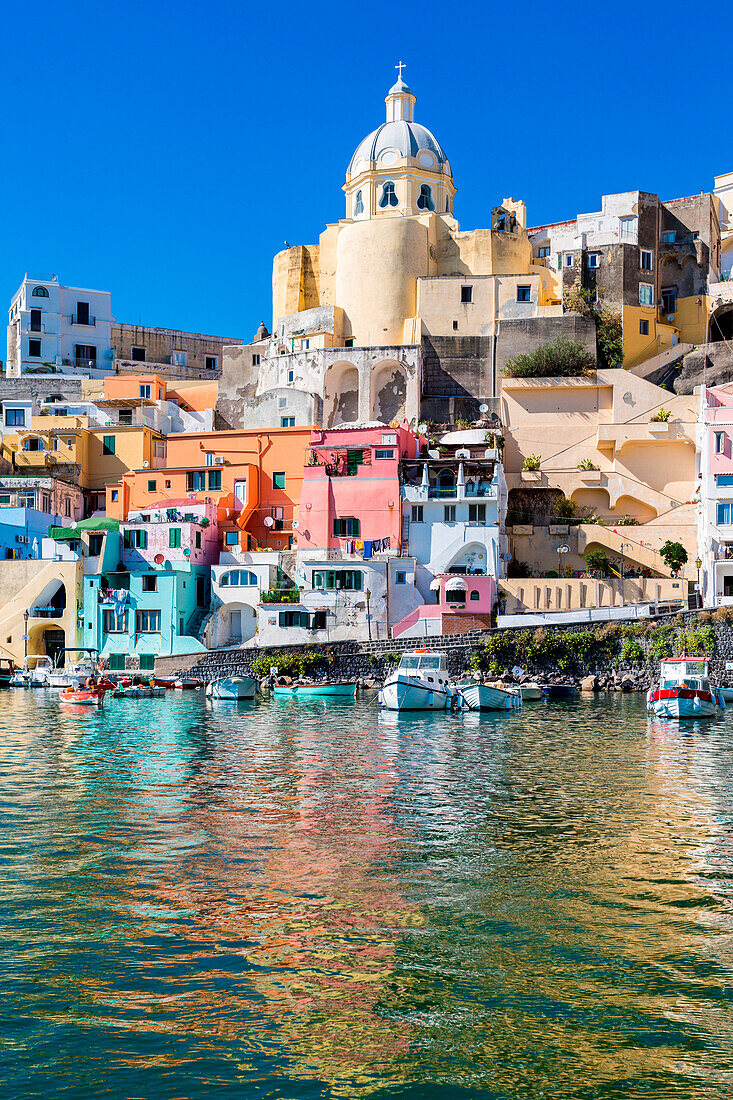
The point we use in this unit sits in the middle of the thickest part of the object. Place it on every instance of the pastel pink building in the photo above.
(350, 498)
(172, 531)
(715, 514)
(461, 603)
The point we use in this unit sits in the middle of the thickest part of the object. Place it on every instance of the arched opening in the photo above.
(50, 603)
(341, 395)
(470, 560)
(389, 391)
(721, 324)
(48, 640)
(591, 502)
(635, 509)
(446, 483)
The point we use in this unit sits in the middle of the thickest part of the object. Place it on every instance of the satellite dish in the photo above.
(296, 523)
(268, 521)
(483, 408)
(145, 465)
(422, 428)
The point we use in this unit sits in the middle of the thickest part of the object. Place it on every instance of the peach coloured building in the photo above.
(254, 477)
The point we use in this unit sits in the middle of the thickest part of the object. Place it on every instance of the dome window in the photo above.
(40, 292)
(425, 198)
(389, 197)
(358, 205)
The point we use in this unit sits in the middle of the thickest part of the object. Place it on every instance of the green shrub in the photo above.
(587, 464)
(561, 358)
(596, 560)
(632, 652)
(532, 462)
(700, 642)
(661, 416)
(660, 644)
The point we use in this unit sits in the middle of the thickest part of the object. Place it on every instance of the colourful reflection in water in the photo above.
(310, 901)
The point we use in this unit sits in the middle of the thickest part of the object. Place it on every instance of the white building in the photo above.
(237, 584)
(54, 328)
(715, 509)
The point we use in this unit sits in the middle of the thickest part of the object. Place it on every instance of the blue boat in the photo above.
(558, 691)
(313, 691)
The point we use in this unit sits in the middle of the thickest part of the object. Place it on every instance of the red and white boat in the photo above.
(685, 691)
(84, 697)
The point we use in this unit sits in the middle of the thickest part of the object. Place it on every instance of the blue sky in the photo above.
(166, 151)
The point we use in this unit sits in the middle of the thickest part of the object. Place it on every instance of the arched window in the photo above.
(238, 578)
(446, 483)
(388, 195)
(425, 198)
(40, 292)
(447, 205)
(475, 595)
(456, 595)
(358, 205)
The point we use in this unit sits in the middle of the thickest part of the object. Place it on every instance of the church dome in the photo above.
(407, 138)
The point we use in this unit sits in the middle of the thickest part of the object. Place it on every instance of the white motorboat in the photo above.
(495, 696)
(36, 671)
(420, 682)
(232, 687)
(684, 690)
(530, 692)
(74, 673)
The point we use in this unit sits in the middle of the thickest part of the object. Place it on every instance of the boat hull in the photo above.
(404, 693)
(530, 692)
(673, 703)
(82, 698)
(313, 691)
(486, 697)
(558, 691)
(232, 687)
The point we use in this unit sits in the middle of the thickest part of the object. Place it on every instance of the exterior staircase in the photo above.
(666, 358)
(593, 534)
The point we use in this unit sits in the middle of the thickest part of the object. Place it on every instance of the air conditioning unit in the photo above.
(218, 460)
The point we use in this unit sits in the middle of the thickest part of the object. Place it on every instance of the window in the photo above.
(215, 479)
(287, 421)
(238, 578)
(318, 622)
(145, 392)
(95, 545)
(389, 197)
(150, 582)
(195, 481)
(338, 580)
(108, 445)
(39, 292)
(543, 251)
(349, 343)
(643, 328)
(35, 325)
(449, 513)
(67, 506)
(466, 295)
(210, 458)
(134, 539)
(198, 540)
(417, 513)
(33, 444)
(137, 355)
(358, 204)
(646, 259)
(293, 618)
(278, 480)
(125, 416)
(568, 259)
(117, 662)
(291, 375)
(231, 538)
(559, 259)
(646, 294)
(593, 260)
(669, 299)
(400, 577)
(47, 508)
(425, 198)
(724, 480)
(455, 326)
(167, 483)
(389, 438)
(178, 358)
(456, 595)
(210, 362)
(524, 293)
(147, 661)
(147, 622)
(725, 513)
(346, 527)
(174, 538)
(669, 237)
(384, 452)
(115, 494)
(719, 443)
(82, 314)
(475, 595)
(282, 402)
(15, 418)
(34, 349)
(114, 624)
(255, 360)
(626, 227)
(69, 441)
(152, 485)
(5, 499)
(477, 514)
(26, 500)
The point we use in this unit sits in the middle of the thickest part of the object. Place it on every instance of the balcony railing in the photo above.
(87, 321)
(440, 492)
(47, 612)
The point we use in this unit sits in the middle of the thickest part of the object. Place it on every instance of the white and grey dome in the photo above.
(407, 139)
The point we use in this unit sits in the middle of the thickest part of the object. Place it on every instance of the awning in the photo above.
(456, 585)
(435, 585)
(74, 532)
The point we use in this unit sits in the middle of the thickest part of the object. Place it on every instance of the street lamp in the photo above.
(698, 565)
(622, 547)
(26, 614)
(560, 551)
(369, 617)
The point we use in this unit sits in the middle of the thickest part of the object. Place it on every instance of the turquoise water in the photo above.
(317, 900)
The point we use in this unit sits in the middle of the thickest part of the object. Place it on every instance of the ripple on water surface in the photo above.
(275, 899)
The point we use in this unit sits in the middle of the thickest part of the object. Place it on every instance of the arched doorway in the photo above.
(721, 324)
(389, 392)
(341, 395)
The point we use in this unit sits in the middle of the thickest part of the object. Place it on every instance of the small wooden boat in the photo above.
(187, 683)
(496, 696)
(684, 690)
(7, 671)
(139, 691)
(232, 687)
(323, 690)
(83, 697)
(530, 692)
(558, 691)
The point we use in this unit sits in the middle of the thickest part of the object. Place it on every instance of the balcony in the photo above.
(280, 595)
(86, 320)
(47, 612)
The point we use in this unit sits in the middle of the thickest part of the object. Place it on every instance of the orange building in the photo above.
(255, 477)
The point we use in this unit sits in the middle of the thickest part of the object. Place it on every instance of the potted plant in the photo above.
(531, 468)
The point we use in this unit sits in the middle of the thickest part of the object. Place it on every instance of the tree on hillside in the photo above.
(597, 561)
(674, 556)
